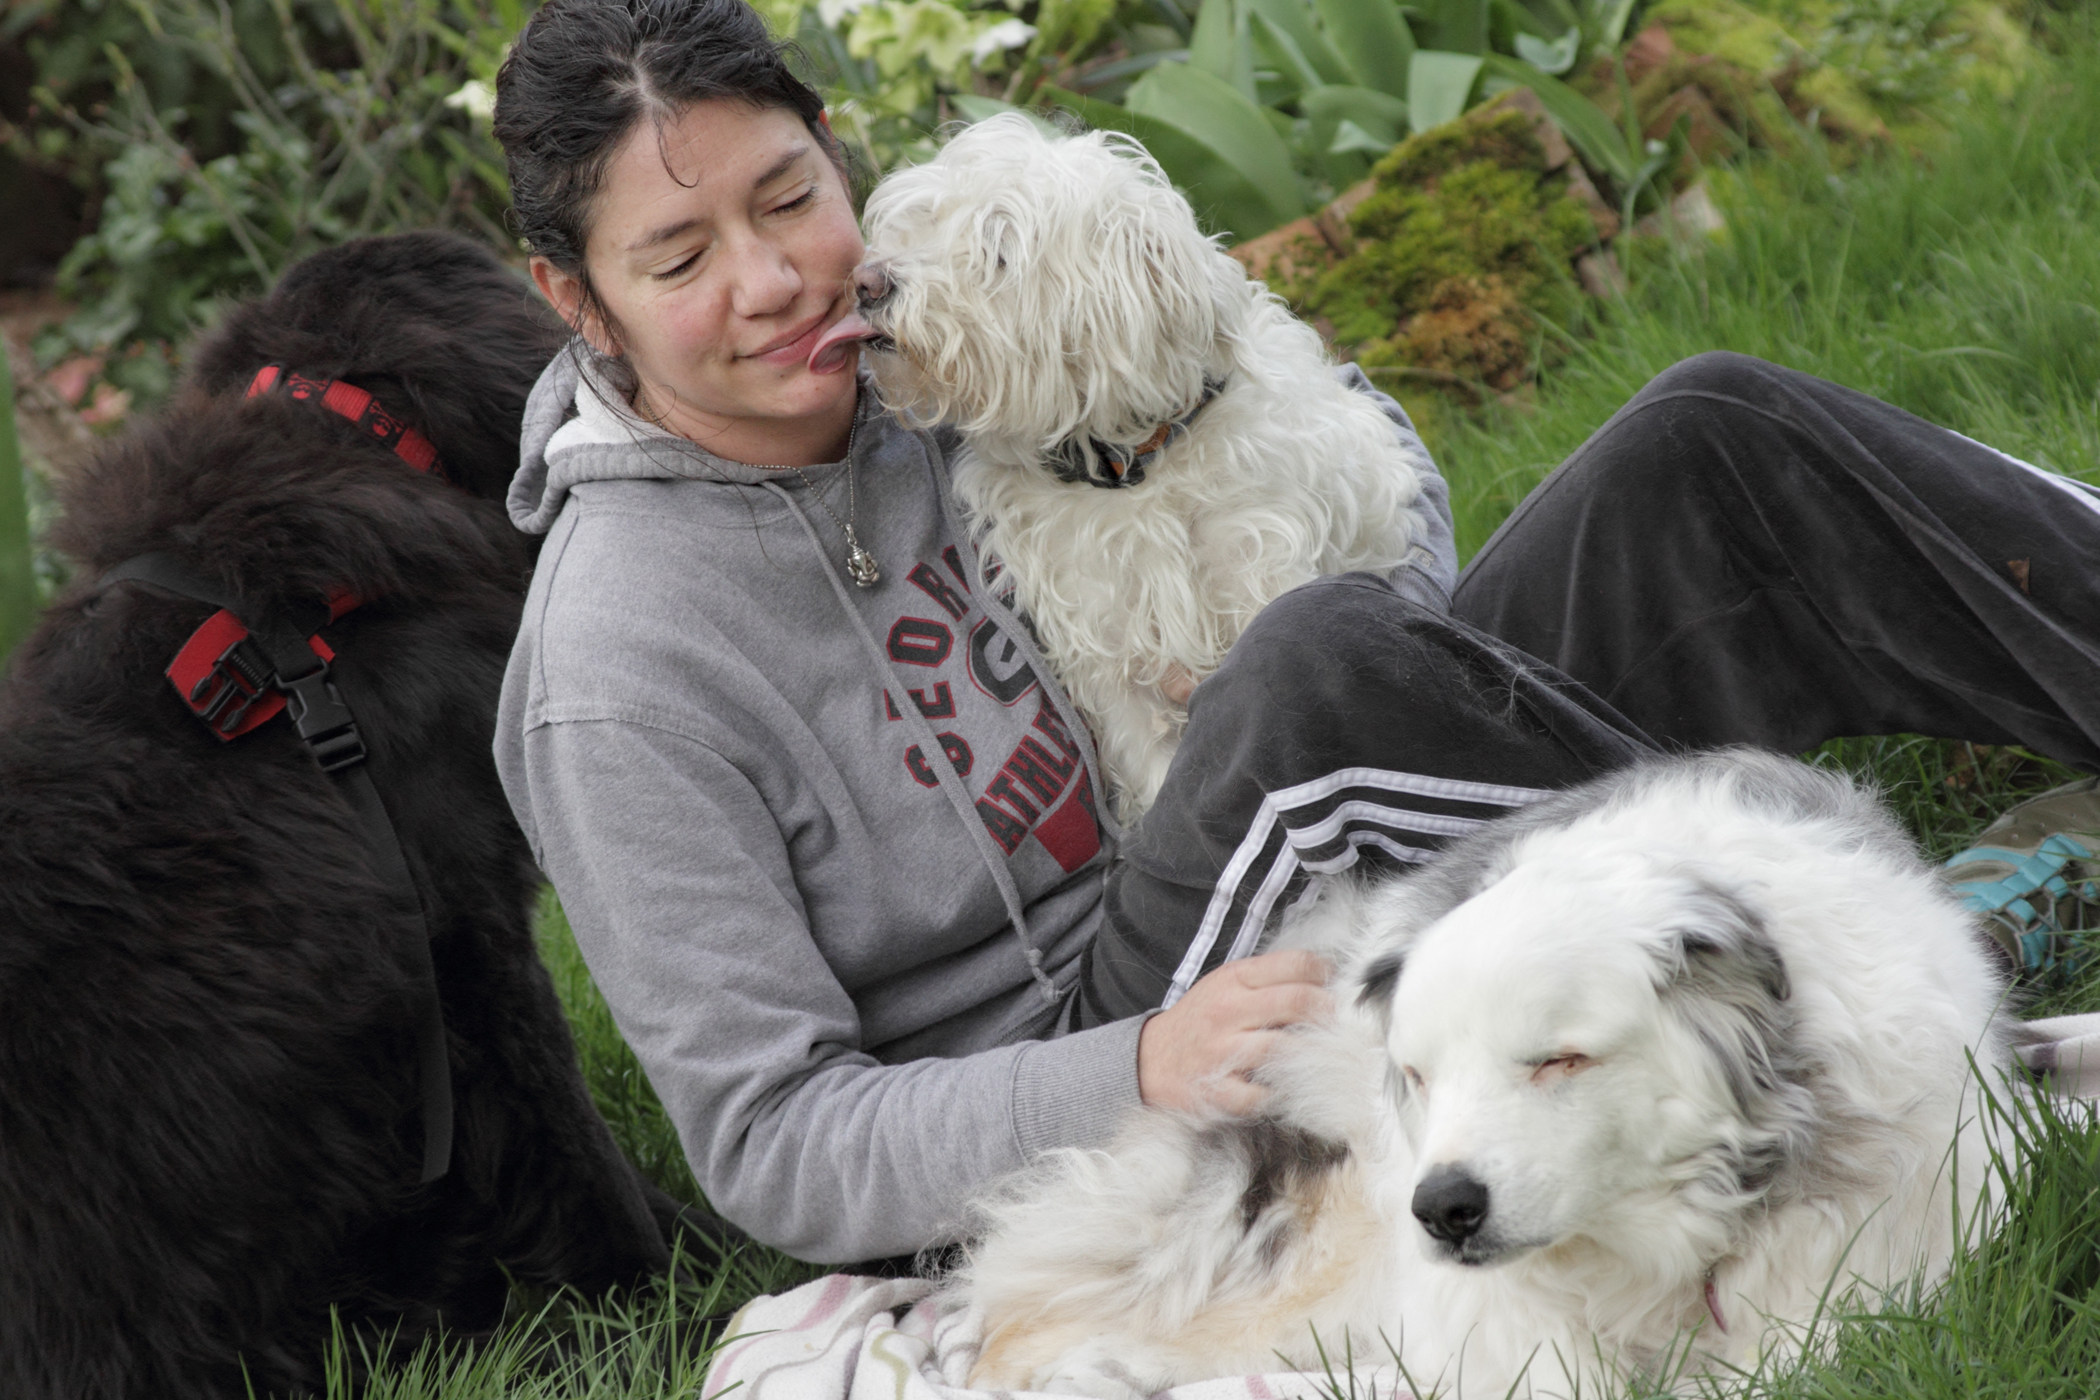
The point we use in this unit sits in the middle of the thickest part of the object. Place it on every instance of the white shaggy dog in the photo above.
(1055, 300)
(1625, 1085)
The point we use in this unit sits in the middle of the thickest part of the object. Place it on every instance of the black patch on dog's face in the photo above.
(1375, 987)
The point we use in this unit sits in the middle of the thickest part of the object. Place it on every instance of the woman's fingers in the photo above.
(1235, 1096)
(1295, 965)
(1276, 989)
(1287, 1005)
(1250, 1050)
(1197, 1053)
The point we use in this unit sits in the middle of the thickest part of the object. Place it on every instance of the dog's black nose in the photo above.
(1451, 1203)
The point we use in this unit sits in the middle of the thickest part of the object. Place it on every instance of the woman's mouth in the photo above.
(796, 350)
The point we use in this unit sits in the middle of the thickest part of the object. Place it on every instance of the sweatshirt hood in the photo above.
(579, 428)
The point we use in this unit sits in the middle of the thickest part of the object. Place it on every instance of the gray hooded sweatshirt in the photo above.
(832, 854)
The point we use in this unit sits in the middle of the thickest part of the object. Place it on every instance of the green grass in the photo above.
(646, 1345)
(1961, 286)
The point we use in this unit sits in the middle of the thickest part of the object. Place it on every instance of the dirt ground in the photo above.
(53, 435)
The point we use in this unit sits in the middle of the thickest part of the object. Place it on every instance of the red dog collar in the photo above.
(223, 678)
(356, 405)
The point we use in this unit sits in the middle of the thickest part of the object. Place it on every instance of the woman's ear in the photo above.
(565, 292)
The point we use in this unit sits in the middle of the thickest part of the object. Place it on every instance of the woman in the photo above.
(828, 831)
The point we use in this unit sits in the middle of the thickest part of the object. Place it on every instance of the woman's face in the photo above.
(722, 245)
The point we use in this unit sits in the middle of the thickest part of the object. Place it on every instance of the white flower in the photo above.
(832, 11)
(1009, 34)
(476, 98)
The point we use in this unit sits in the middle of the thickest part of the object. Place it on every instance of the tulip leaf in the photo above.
(1372, 39)
(1295, 18)
(1461, 26)
(1555, 58)
(1284, 55)
(1224, 198)
(1587, 128)
(1212, 112)
(1438, 86)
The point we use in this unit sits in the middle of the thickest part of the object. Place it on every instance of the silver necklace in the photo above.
(860, 565)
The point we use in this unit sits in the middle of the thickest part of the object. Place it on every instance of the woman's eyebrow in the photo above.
(683, 226)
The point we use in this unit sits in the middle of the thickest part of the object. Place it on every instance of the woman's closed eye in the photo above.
(684, 266)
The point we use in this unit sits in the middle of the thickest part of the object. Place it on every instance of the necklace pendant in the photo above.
(860, 565)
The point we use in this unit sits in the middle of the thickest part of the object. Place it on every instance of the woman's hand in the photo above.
(1198, 1053)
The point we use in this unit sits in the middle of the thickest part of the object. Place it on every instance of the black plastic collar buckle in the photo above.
(322, 719)
(237, 679)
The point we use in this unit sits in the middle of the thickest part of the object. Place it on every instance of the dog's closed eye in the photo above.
(1555, 1068)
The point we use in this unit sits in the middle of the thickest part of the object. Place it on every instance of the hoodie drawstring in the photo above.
(948, 780)
(1011, 625)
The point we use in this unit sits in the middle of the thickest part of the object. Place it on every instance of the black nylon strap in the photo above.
(281, 637)
(326, 721)
(405, 908)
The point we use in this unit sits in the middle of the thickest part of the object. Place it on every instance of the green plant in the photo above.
(1278, 105)
(1905, 52)
(377, 125)
(69, 43)
(1259, 109)
(897, 69)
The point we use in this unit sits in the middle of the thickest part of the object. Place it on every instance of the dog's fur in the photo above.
(208, 1081)
(1705, 1020)
(1038, 291)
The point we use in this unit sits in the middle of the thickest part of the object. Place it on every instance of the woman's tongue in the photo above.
(835, 347)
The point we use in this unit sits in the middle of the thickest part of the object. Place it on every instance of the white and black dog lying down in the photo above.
(1625, 1085)
(1055, 299)
(212, 1118)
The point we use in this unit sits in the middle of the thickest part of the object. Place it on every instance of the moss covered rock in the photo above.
(1865, 70)
(1465, 243)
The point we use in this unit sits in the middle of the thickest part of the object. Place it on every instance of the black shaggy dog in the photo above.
(210, 1105)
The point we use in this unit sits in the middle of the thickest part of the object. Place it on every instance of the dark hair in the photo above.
(584, 72)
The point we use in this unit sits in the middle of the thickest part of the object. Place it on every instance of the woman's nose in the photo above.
(766, 278)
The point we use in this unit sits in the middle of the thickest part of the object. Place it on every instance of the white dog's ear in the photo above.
(1722, 949)
(1720, 970)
